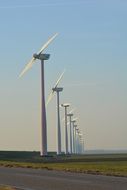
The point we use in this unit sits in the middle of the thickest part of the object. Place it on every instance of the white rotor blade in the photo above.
(67, 121)
(75, 119)
(50, 97)
(59, 79)
(47, 43)
(28, 66)
(72, 110)
(52, 93)
(63, 119)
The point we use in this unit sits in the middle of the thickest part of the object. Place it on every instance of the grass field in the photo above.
(109, 164)
(6, 188)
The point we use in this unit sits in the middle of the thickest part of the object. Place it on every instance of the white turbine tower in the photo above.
(77, 140)
(70, 122)
(57, 90)
(66, 133)
(73, 134)
(81, 142)
(75, 144)
(41, 57)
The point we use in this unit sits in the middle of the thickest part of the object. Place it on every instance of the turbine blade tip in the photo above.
(56, 33)
(20, 75)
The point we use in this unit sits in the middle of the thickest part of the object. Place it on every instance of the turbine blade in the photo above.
(72, 110)
(63, 119)
(50, 97)
(52, 93)
(47, 43)
(75, 119)
(28, 66)
(59, 79)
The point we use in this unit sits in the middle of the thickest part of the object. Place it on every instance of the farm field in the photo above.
(6, 188)
(104, 164)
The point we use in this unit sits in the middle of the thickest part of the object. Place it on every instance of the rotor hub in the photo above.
(57, 89)
(41, 56)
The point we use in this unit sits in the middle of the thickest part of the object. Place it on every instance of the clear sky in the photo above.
(92, 46)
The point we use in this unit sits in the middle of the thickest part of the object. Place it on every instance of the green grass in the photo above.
(109, 164)
(117, 168)
(34, 157)
(6, 188)
(105, 168)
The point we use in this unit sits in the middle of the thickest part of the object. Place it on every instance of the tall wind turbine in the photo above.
(69, 113)
(75, 128)
(81, 142)
(66, 133)
(70, 122)
(73, 134)
(77, 140)
(57, 90)
(41, 56)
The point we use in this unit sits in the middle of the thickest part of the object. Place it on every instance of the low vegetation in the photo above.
(115, 165)
(105, 168)
(6, 188)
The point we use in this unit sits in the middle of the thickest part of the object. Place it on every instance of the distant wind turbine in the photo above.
(77, 140)
(73, 134)
(75, 144)
(39, 55)
(70, 122)
(57, 90)
(81, 143)
(66, 105)
(63, 119)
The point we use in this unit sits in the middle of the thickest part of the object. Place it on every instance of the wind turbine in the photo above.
(57, 90)
(41, 56)
(75, 144)
(77, 141)
(73, 134)
(66, 133)
(70, 122)
(68, 113)
(81, 142)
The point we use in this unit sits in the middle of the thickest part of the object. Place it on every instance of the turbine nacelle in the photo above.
(65, 105)
(73, 121)
(41, 56)
(70, 114)
(75, 126)
(57, 89)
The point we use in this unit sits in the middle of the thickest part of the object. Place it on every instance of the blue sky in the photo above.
(91, 45)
